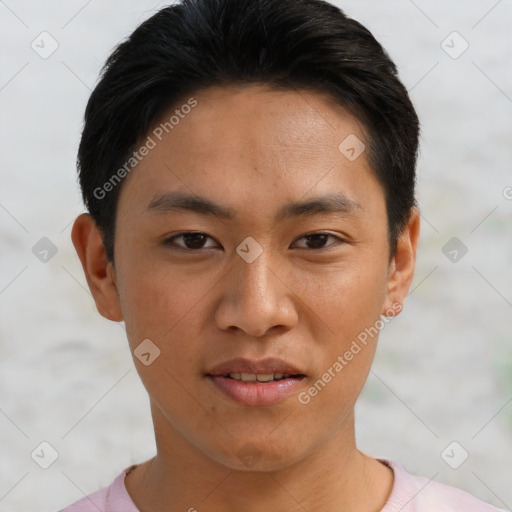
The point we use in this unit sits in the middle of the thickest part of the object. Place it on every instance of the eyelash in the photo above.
(170, 241)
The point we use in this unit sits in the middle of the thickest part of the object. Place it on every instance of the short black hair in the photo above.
(285, 44)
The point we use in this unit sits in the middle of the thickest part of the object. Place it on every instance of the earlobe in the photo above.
(401, 270)
(99, 272)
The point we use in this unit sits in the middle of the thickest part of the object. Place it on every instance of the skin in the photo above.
(252, 149)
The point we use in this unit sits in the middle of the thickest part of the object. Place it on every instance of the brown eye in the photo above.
(319, 240)
(191, 240)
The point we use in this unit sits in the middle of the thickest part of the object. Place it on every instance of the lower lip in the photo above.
(257, 394)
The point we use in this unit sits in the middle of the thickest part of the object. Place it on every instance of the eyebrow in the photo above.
(171, 202)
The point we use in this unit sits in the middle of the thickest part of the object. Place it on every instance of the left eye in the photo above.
(319, 240)
(194, 241)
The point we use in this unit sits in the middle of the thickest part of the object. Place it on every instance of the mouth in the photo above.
(249, 370)
(256, 383)
(260, 377)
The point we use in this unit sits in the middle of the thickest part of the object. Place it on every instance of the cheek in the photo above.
(155, 295)
(170, 307)
(348, 304)
(165, 308)
(349, 298)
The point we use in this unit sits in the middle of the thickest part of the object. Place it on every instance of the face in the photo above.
(273, 273)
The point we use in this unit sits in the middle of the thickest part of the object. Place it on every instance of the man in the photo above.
(249, 172)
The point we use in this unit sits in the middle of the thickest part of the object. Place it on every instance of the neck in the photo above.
(336, 476)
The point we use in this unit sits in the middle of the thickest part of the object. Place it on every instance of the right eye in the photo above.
(192, 240)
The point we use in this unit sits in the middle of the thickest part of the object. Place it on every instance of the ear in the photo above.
(401, 269)
(99, 272)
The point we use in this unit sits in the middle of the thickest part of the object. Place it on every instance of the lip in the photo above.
(256, 394)
(243, 365)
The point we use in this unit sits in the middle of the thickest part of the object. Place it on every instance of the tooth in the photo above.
(235, 376)
(278, 375)
(265, 377)
(248, 377)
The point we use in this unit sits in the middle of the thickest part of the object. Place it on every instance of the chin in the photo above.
(260, 455)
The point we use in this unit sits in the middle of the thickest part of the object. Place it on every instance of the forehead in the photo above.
(268, 119)
(255, 144)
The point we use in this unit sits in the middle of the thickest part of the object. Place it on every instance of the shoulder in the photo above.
(412, 493)
(110, 498)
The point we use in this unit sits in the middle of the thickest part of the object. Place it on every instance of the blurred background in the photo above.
(439, 397)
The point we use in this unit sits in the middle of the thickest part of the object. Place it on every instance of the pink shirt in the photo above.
(409, 494)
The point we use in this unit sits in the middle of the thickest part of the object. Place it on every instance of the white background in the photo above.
(443, 368)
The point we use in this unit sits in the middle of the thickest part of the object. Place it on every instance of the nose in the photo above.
(256, 299)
